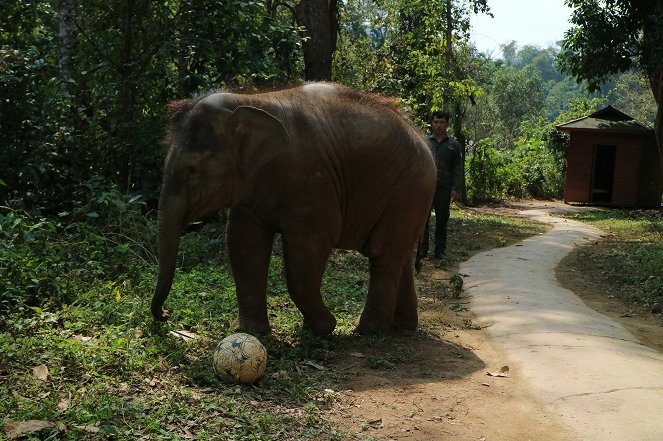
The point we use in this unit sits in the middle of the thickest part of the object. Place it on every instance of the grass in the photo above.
(629, 259)
(114, 373)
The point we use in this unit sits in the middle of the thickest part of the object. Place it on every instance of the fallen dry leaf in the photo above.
(81, 338)
(151, 381)
(15, 429)
(503, 372)
(185, 335)
(64, 403)
(378, 424)
(314, 365)
(89, 429)
(356, 354)
(40, 372)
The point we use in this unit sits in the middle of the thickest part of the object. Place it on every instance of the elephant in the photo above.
(323, 165)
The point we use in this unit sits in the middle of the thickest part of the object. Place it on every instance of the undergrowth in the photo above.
(81, 351)
(630, 256)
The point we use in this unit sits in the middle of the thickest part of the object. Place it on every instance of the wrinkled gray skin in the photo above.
(323, 165)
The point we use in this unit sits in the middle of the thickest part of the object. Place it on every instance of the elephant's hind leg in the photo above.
(378, 313)
(405, 315)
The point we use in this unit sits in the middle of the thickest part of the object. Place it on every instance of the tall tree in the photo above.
(319, 18)
(611, 36)
(66, 44)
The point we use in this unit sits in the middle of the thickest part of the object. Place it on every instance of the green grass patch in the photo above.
(88, 357)
(630, 256)
(470, 231)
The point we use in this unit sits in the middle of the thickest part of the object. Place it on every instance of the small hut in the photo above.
(612, 160)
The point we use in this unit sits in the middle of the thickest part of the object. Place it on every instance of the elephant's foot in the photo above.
(408, 323)
(160, 314)
(321, 326)
(368, 326)
(252, 326)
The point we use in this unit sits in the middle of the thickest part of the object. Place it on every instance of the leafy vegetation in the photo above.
(630, 258)
(94, 363)
(83, 87)
(614, 36)
(83, 93)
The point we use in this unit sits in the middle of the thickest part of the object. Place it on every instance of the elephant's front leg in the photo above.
(249, 250)
(305, 258)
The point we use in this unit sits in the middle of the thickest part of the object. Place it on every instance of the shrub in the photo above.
(46, 261)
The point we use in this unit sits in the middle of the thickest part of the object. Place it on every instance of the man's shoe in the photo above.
(440, 255)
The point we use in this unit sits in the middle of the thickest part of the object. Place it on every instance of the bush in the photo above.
(488, 173)
(46, 261)
(542, 172)
(532, 167)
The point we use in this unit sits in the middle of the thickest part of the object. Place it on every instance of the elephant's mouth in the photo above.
(192, 216)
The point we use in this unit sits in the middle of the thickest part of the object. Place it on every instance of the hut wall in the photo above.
(579, 168)
(627, 172)
(651, 178)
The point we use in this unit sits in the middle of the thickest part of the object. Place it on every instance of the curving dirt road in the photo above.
(575, 374)
(587, 370)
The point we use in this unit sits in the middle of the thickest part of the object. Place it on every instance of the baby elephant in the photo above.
(325, 166)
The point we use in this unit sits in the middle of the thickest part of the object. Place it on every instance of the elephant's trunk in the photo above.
(171, 216)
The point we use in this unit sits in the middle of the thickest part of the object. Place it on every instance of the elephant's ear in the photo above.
(259, 137)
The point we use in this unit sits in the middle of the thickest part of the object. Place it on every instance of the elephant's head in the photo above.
(215, 155)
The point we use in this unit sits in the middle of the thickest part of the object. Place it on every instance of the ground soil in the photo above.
(438, 387)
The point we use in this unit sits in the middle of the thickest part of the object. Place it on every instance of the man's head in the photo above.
(440, 123)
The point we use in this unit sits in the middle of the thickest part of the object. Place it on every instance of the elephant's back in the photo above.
(378, 163)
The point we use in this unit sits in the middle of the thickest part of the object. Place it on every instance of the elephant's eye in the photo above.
(192, 169)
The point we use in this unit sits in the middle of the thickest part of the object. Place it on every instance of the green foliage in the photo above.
(25, 274)
(630, 256)
(410, 50)
(46, 262)
(128, 59)
(486, 171)
(532, 168)
(633, 97)
(611, 36)
(542, 170)
(112, 369)
(517, 96)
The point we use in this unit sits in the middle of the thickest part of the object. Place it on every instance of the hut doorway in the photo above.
(603, 173)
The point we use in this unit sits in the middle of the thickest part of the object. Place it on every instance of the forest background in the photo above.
(83, 88)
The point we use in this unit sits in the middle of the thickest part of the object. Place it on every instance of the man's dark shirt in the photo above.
(447, 160)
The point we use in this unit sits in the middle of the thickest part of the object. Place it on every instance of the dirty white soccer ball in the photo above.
(239, 358)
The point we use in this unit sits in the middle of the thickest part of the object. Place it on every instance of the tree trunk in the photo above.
(66, 44)
(656, 82)
(448, 50)
(459, 131)
(127, 93)
(320, 20)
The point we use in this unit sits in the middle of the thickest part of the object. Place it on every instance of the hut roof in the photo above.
(606, 119)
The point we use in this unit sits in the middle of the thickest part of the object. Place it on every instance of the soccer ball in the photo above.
(239, 358)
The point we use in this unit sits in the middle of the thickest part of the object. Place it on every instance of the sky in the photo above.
(528, 22)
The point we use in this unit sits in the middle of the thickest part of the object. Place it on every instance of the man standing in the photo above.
(446, 152)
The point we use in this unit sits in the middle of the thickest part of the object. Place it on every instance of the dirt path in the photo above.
(442, 389)
(437, 387)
